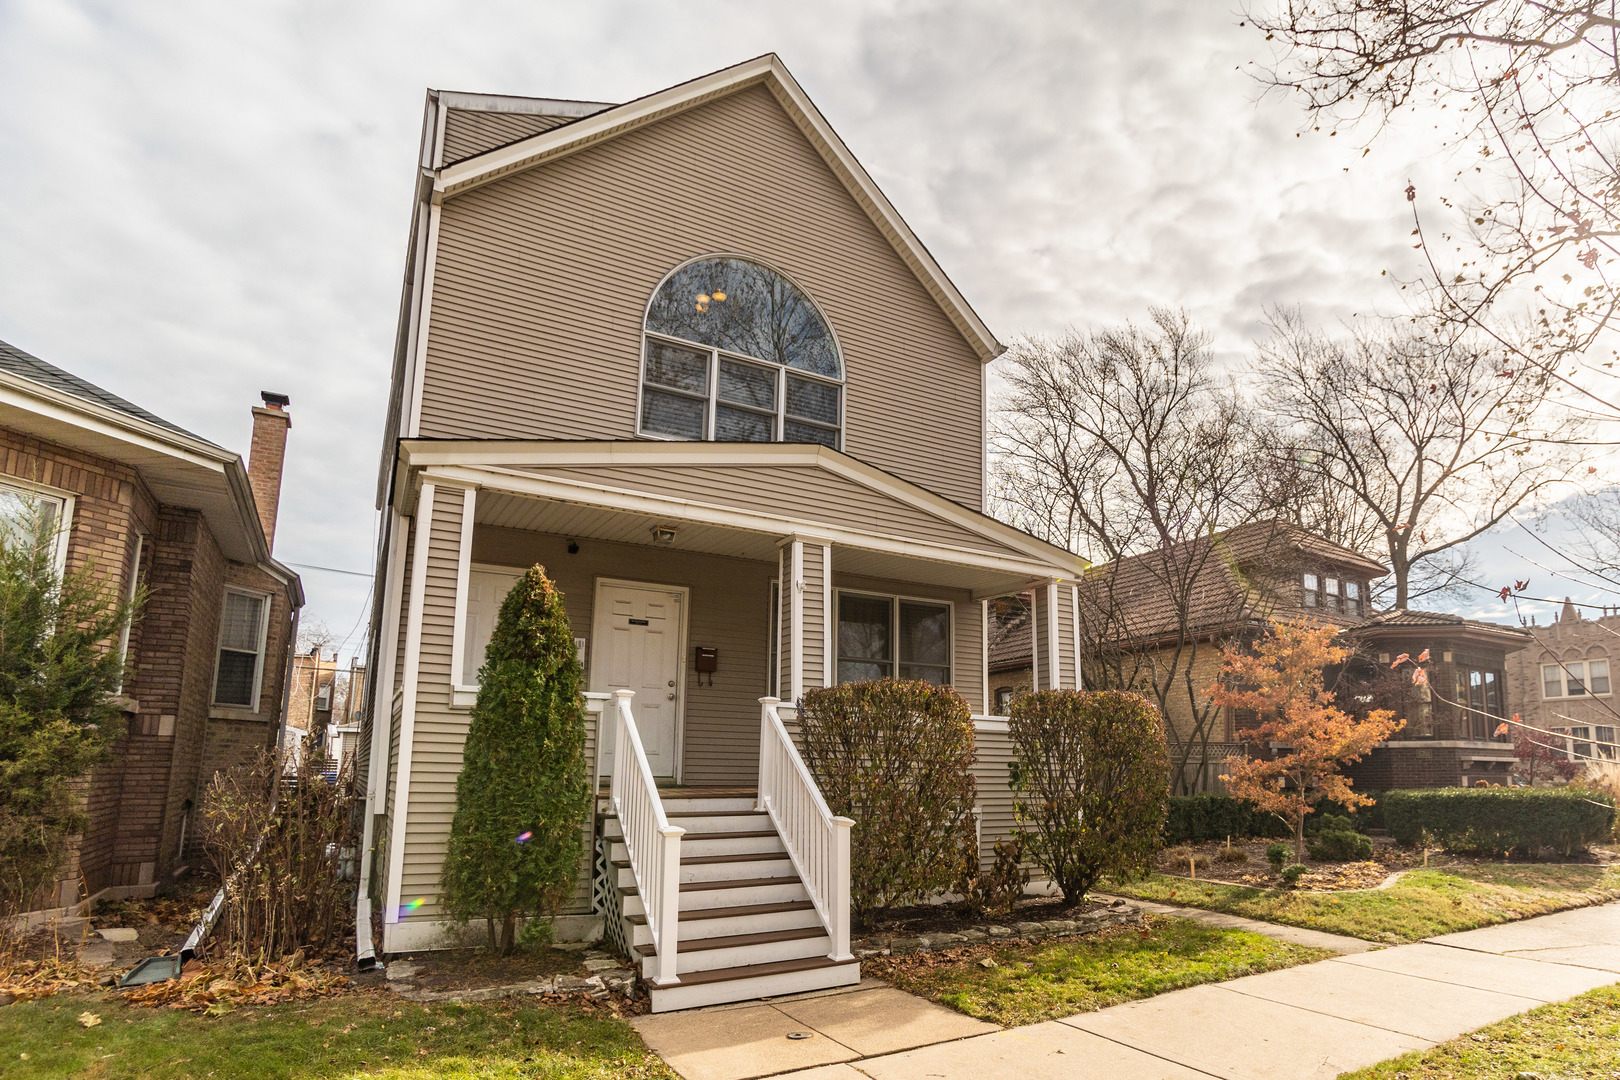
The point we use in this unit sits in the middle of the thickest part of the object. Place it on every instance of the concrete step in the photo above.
(741, 950)
(754, 981)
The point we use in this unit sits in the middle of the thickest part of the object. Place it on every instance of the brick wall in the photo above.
(265, 459)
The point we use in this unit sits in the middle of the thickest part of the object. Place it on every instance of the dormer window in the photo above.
(1312, 591)
(735, 352)
(1352, 598)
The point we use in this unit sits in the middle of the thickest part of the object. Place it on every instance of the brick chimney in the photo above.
(270, 424)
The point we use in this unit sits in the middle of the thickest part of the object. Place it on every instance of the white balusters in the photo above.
(816, 841)
(653, 843)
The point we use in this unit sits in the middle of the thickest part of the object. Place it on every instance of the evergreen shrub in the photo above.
(1194, 818)
(1337, 841)
(1500, 821)
(1089, 782)
(517, 837)
(895, 756)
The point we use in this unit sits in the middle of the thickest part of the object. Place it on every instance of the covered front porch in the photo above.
(708, 588)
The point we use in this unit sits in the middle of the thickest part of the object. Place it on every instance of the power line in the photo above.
(330, 569)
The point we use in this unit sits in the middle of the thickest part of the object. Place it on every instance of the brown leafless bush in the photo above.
(281, 841)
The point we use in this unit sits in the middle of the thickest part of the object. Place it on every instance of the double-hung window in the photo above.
(734, 352)
(881, 637)
(1574, 678)
(1312, 590)
(240, 663)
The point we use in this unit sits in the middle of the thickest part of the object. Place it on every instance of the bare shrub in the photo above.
(284, 843)
(996, 890)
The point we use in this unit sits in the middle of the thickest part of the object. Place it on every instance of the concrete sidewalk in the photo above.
(1314, 1021)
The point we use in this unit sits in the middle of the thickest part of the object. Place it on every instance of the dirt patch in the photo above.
(475, 969)
(954, 918)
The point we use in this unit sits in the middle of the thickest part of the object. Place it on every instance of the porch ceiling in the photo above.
(506, 510)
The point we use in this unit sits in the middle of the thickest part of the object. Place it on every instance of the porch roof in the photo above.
(740, 500)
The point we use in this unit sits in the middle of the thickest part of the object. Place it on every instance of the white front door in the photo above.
(639, 633)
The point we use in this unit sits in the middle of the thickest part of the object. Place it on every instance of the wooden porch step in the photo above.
(736, 940)
(731, 883)
(717, 813)
(719, 860)
(698, 914)
(753, 971)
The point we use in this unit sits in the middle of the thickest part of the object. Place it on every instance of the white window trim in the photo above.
(894, 629)
(64, 525)
(258, 666)
(1563, 667)
(129, 622)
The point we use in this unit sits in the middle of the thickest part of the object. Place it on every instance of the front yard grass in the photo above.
(1572, 1038)
(362, 1034)
(1034, 982)
(1421, 904)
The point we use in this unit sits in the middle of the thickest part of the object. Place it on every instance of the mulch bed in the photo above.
(474, 969)
(954, 918)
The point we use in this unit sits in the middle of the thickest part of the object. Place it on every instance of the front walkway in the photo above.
(1314, 1021)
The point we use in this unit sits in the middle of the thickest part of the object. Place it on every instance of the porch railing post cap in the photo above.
(770, 701)
(624, 693)
(671, 830)
(844, 822)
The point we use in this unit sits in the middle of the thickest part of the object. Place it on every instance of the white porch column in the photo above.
(1056, 635)
(807, 656)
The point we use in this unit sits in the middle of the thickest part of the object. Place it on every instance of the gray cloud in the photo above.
(205, 200)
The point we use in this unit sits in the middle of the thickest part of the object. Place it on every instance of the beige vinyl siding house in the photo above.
(683, 354)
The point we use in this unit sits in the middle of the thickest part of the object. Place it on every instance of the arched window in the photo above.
(735, 352)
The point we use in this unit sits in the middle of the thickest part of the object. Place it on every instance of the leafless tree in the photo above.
(1526, 94)
(1125, 445)
(1436, 439)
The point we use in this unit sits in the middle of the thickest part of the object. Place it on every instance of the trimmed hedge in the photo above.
(1513, 821)
(1215, 817)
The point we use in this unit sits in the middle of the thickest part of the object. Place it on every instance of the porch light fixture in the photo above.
(663, 535)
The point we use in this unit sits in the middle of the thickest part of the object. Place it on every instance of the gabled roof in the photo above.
(599, 125)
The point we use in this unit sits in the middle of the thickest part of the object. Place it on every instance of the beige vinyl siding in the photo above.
(806, 492)
(472, 131)
(1066, 657)
(437, 733)
(994, 750)
(542, 280)
(728, 611)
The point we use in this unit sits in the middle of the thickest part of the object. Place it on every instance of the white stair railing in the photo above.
(653, 843)
(816, 841)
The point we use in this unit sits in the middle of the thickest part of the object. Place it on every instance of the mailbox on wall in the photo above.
(708, 662)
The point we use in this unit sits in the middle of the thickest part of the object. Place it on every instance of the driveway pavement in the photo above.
(1314, 1021)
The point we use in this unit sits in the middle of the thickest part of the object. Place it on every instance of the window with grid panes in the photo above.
(735, 352)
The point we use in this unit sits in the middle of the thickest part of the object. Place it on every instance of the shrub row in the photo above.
(1215, 817)
(1496, 821)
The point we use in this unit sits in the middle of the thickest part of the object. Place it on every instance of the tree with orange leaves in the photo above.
(1281, 682)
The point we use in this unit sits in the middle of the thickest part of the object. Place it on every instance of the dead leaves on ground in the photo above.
(23, 980)
(220, 986)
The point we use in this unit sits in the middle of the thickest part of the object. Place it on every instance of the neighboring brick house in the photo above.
(149, 504)
(1247, 576)
(315, 692)
(1563, 681)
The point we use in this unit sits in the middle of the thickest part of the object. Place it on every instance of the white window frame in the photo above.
(894, 630)
(1579, 671)
(779, 426)
(64, 520)
(129, 598)
(258, 665)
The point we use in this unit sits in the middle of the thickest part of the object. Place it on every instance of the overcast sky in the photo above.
(199, 201)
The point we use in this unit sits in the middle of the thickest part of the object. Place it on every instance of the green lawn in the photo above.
(1579, 1037)
(1039, 982)
(1421, 904)
(355, 1035)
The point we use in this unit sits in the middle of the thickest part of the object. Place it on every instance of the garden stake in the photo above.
(1192, 868)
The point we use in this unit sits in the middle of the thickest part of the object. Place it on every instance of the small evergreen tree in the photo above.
(523, 793)
(59, 669)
